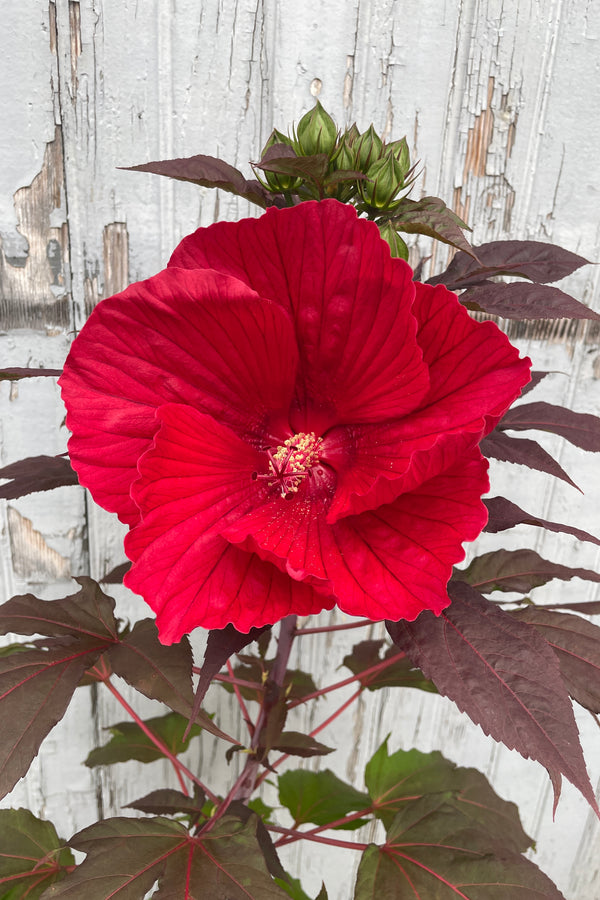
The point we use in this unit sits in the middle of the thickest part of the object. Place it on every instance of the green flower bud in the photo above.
(316, 132)
(276, 137)
(401, 154)
(344, 156)
(368, 147)
(275, 181)
(398, 248)
(384, 180)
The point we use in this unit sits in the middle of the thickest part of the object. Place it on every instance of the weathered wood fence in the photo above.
(500, 101)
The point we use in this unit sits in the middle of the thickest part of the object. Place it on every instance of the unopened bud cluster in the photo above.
(360, 168)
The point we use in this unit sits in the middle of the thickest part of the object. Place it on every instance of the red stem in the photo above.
(348, 845)
(179, 767)
(362, 624)
(240, 700)
(378, 667)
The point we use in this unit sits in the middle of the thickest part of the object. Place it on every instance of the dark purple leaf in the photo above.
(35, 690)
(128, 741)
(208, 171)
(312, 167)
(115, 576)
(37, 473)
(576, 643)
(523, 452)
(536, 377)
(581, 429)
(169, 802)
(431, 216)
(13, 374)
(588, 607)
(87, 614)
(160, 672)
(401, 673)
(395, 780)
(126, 856)
(521, 300)
(502, 673)
(296, 744)
(32, 856)
(432, 853)
(517, 570)
(503, 515)
(534, 260)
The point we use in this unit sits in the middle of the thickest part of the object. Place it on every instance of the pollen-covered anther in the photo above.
(292, 461)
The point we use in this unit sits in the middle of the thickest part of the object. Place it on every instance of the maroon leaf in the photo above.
(35, 690)
(37, 473)
(534, 260)
(87, 614)
(502, 673)
(169, 802)
(431, 216)
(516, 570)
(312, 167)
(432, 853)
(589, 607)
(222, 643)
(576, 643)
(503, 515)
(580, 429)
(523, 452)
(13, 374)
(536, 377)
(207, 171)
(126, 856)
(160, 672)
(525, 301)
(401, 673)
(32, 856)
(296, 744)
(115, 576)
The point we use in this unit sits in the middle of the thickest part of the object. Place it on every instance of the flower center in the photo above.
(292, 461)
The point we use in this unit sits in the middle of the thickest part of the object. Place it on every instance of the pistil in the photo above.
(291, 462)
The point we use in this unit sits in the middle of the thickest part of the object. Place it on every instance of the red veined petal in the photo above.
(350, 303)
(198, 337)
(475, 375)
(197, 474)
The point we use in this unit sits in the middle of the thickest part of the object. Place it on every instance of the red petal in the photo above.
(196, 475)
(475, 375)
(349, 301)
(198, 337)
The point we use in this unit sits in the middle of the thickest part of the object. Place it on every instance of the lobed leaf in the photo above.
(503, 515)
(207, 171)
(525, 301)
(517, 570)
(34, 474)
(430, 216)
(32, 856)
(432, 853)
(307, 167)
(320, 798)
(397, 780)
(535, 260)
(129, 741)
(126, 856)
(576, 643)
(502, 673)
(581, 429)
(498, 445)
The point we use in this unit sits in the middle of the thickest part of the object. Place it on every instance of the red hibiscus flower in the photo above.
(286, 421)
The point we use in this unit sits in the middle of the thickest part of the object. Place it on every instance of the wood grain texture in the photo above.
(497, 99)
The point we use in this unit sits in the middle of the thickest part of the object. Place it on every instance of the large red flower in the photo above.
(286, 421)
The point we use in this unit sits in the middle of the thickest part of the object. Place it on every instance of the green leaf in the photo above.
(430, 216)
(431, 852)
(130, 742)
(126, 856)
(294, 889)
(160, 672)
(320, 798)
(401, 673)
(397, 780)
(32, 856)
(261, 809)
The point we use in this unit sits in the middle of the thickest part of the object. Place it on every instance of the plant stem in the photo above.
(348, 845)
(240, 700)
(289, 839)
(179, 767)
(378, 667)
(361, 624)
